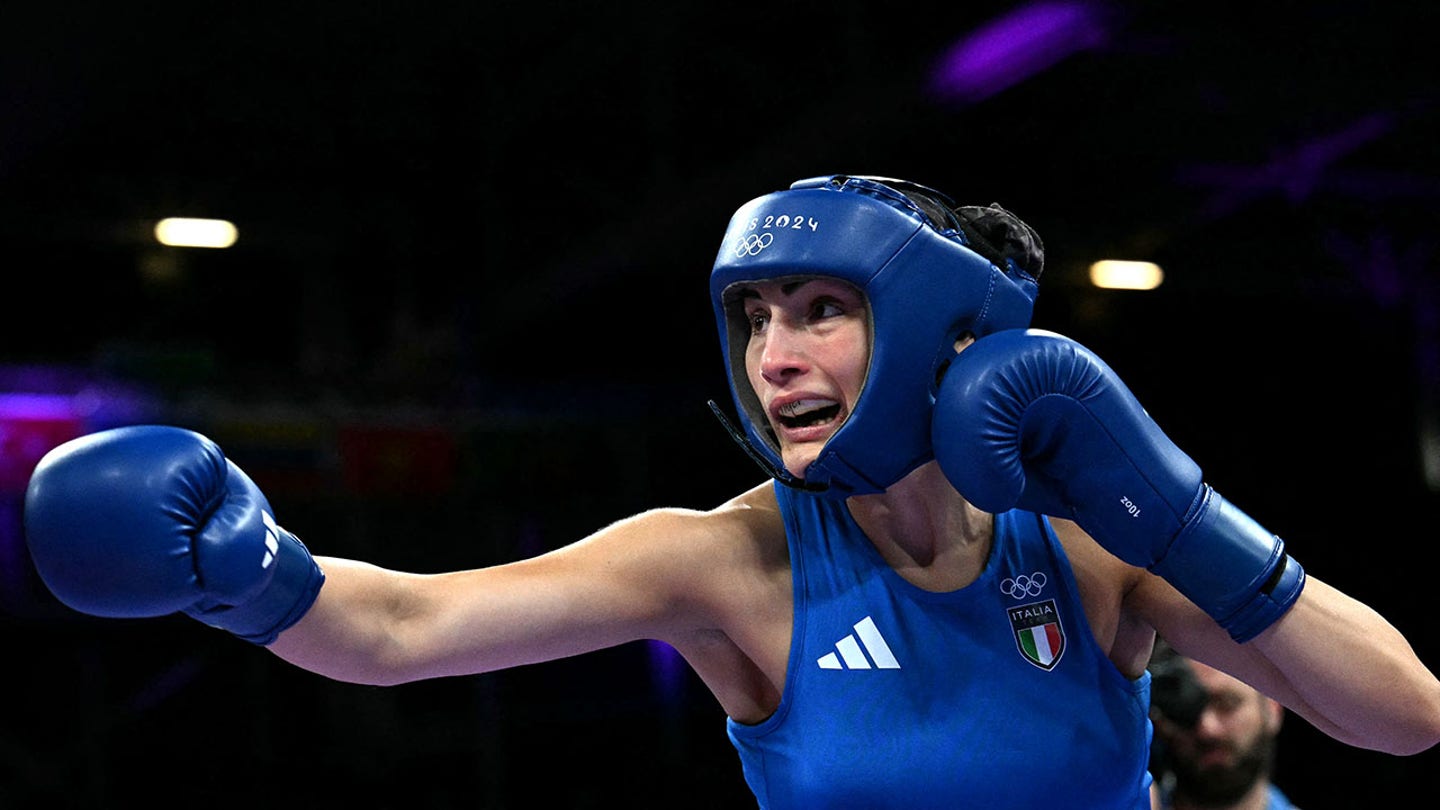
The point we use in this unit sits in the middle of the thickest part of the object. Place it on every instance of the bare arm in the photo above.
(625, 582)
(1331, 659)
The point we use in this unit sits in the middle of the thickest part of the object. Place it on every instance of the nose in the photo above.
(1209, 725)
(783, 356)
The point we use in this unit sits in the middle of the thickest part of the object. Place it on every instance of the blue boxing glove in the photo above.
(148, 520)
(1032, 419)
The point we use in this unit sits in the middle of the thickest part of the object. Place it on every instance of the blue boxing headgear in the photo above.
(930, 272)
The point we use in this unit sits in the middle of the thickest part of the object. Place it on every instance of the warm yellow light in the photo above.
(1113, 274)
(190, 232)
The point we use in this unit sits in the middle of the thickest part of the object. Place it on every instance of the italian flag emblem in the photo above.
(1038, 633)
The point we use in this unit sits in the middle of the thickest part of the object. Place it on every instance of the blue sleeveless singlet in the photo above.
(992, 696)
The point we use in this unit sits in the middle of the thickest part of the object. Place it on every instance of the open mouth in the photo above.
(807, 413)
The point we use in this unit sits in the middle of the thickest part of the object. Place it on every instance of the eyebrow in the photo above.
(787, 288)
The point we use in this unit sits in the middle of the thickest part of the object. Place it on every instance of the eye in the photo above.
(758, 319)
(824, 308)
(1225, 703)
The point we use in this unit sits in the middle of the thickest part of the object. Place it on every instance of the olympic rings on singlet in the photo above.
(1024, 585)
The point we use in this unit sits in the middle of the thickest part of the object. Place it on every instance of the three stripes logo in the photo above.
(852, 650)
(272, 540)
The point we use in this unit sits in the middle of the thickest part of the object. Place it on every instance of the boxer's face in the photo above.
(806, 359)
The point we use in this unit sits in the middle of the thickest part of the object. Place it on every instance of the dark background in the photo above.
(467, 321)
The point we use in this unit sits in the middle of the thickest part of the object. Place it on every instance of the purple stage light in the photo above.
(668, 670)
(30, 425)
(42, 407)
(1016, 46)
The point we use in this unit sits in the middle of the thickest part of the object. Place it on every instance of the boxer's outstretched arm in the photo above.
(152, 520)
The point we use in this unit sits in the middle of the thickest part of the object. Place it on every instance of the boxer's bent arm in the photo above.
(1331, 659)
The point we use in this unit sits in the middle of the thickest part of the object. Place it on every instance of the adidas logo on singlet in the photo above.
(852, 650)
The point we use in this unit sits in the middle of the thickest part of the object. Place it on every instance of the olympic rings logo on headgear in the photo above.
(1024, 585)
(754, 243)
